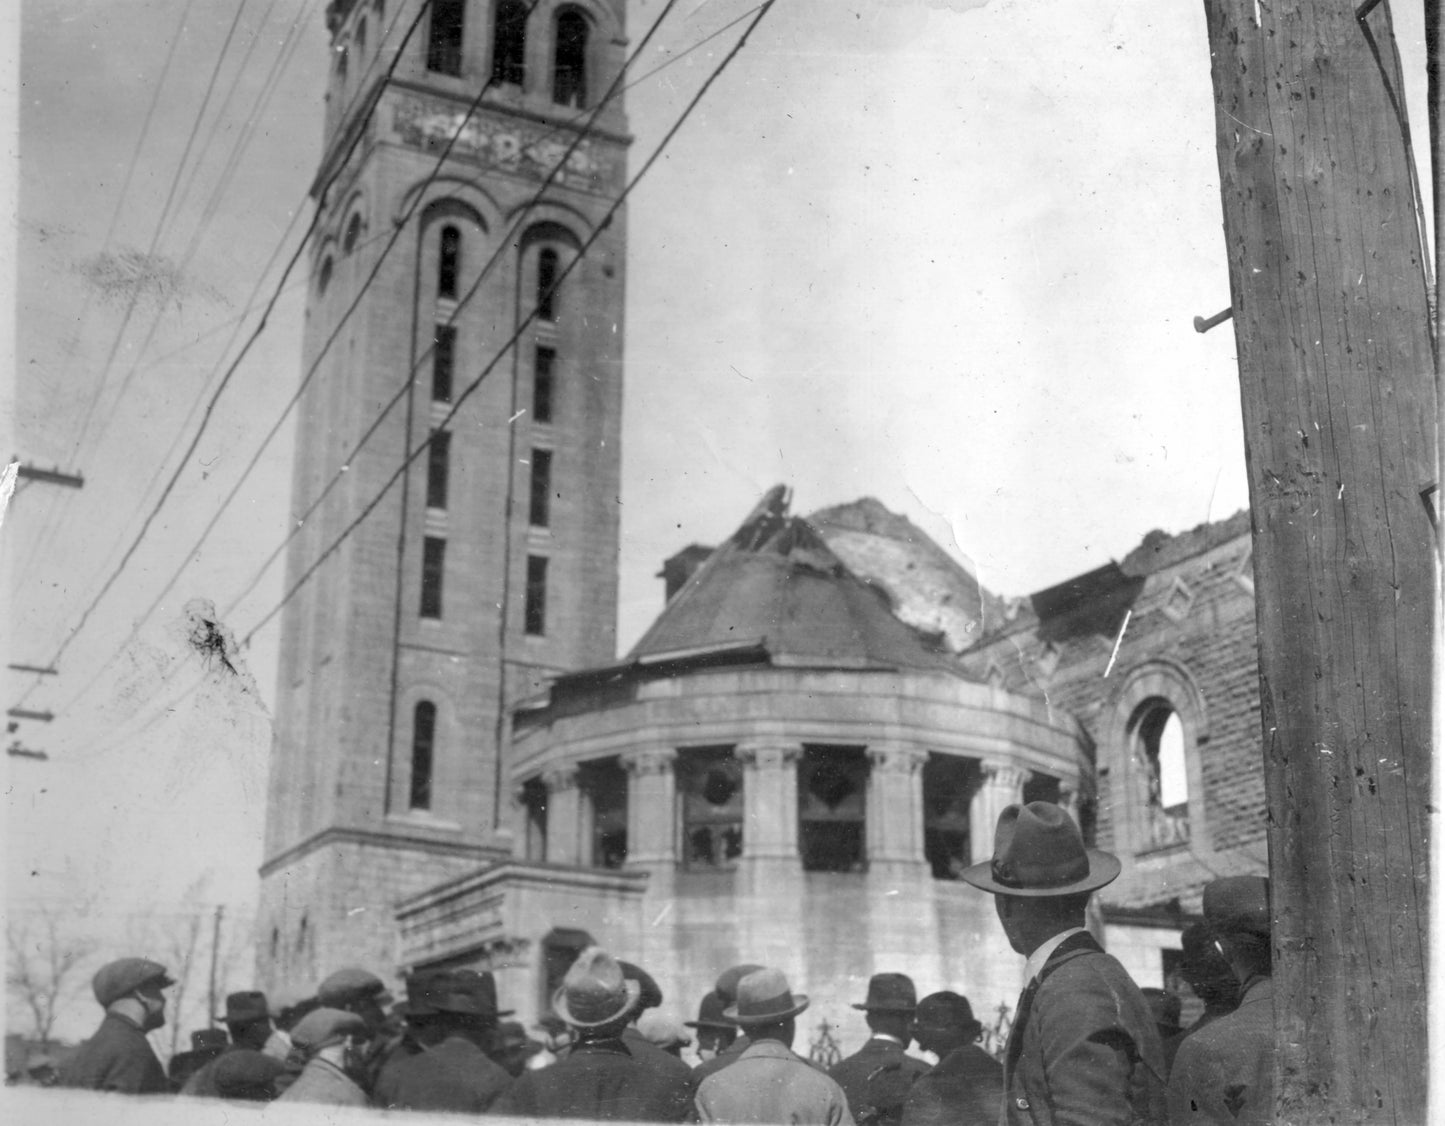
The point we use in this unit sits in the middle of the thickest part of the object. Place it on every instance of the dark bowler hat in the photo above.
(209, 1040)
(595, 992)
(321, 1027)
(1238, 904)
(946, 1012)
(125, 975)
(764, 998)
(710, 1013)
(247, 1074)
(1038, 851)
(727, 981)
(651, 995)
(350, 985)
(246, 1007)
(890, 993)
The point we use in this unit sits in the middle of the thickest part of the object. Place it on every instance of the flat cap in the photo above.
(349, 985)
(321, 1027)
(247, 1074)
(115, 979)
(1238, 904)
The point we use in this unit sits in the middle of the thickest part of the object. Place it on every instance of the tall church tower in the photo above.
(491, 562)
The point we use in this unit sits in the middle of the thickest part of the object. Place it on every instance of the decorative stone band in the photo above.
(655, 760)
(897, 758)
(769, 755)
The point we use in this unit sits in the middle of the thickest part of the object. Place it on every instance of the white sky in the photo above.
(947, 255)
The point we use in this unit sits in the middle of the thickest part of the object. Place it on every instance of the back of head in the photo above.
(596, 999)
(1236, 909)
(1207, 970)
(247, 1074)
(945, 1020)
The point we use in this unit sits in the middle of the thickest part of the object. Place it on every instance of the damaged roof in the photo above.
(776, 584)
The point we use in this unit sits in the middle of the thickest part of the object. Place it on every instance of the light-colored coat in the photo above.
(321, 1081)
(1225, 1072)
(768, 1083)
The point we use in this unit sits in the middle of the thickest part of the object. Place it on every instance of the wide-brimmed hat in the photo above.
(125, 975)
(726, 986)
(1038, 851)
(595, 992)
(710, 1013)
(764, 998)
(1237, 904)
(890, 993)
(246, 1007)
(946, 1012)
(651, 993)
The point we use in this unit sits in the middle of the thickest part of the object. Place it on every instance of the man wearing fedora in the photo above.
(714, 1034)
(726, 989)
(966, 1086)
(248, 1020)
(600, 1076)
(767, 1082)
(1224, 1072)
(882, 1066)
(119, 1057)
(1083, 1048)
(441, 1063)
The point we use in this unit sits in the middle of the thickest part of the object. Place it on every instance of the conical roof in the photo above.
(776, 585)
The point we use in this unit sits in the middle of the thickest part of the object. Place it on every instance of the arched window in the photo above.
(341, 59)
(547, 263)
(360, 39)
(444, 47)
(1158, 740)
(323, 278)
(449, 261)
(569, 59)
(353, 233)
(423, 745)
(509, 43)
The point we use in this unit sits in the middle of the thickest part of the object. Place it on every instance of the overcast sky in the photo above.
(943, 254)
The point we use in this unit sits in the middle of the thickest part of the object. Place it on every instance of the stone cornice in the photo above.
(381, 839)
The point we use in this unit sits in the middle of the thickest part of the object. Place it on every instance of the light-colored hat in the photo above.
(1038, 851)
(661, 1031)
(321, 1027)
(764, 998)
(349, 985)
(595, 992)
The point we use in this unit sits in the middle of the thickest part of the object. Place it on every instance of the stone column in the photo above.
(895, 804)
(1003, 786)
(651, 807)
(564, 815)
(770, 799)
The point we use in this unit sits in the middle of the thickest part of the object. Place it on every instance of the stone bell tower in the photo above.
(448, 300)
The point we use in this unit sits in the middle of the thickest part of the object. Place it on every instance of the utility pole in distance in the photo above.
(1336, 373)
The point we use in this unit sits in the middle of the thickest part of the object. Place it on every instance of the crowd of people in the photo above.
(1086, 1045)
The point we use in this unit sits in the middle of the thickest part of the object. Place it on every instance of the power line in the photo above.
(526, 321)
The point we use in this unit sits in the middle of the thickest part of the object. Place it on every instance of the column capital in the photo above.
(768, 754)
(1003, 774)
(650, 760)
(900, 758)
(562, 776)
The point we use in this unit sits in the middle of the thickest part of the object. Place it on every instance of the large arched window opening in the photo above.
(569, 59)
(423, 751)
(509, 43)
(1157, 738)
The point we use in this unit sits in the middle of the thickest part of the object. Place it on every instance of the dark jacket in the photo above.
(880, 1072)
(117, 1058)
(1225, 1071)
(599, 1079)
(965, 1089)
(722, 1059)
(1085, 1051)
(452, 1075)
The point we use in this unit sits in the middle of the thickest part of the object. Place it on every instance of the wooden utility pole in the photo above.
(1336, 371)
(212, 1001)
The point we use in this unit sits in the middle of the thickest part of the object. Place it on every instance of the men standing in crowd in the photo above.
(248, 1020)
(1083, 1048)
(248, 1075)
(118, 1057)
(1224, 1072)
(599, 1077)
(1213, 982)
(966, 1087)
(440, 1064)
(726, 988)
(355, 990)
(649, 998)
(207, 1044)
(767, 1083)
(876, 1078)
(333, 1043)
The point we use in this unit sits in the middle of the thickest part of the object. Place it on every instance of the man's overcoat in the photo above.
(768, 1083)
(965, 1089)
(880, 1054)
(1225, 1072)
(454, 1075)
(600, 1079)
(117, 1058)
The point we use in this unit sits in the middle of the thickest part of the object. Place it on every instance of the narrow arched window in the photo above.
(341, 60)
(444, 47)
(360, 38)
(323, 279)
(569, 59)
(547, 262)
(449, 262)
(353, 233)
(509, 43)
(423, 746)
(1159, 742)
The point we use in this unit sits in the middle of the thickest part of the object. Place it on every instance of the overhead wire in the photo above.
(371, 505)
